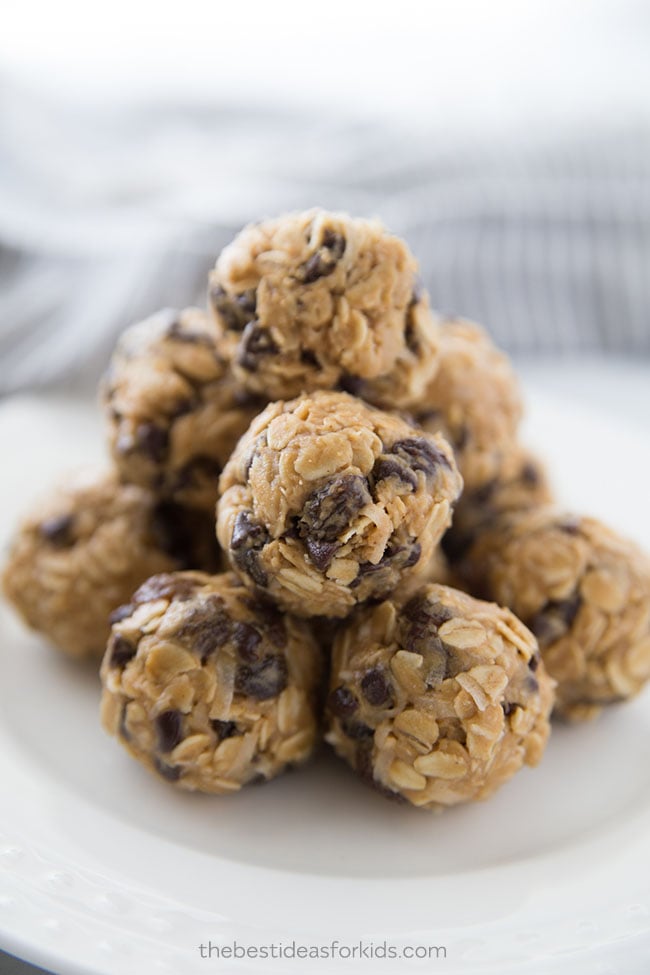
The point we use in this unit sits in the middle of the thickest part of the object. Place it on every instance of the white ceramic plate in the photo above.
(103, 869)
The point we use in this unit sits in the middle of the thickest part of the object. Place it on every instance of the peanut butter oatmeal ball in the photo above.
(174, 410)
(327, 502)
(519, 484)
(473, 399)
(207, 686)
(319, 300)
(582, 590)
(440, 700)
(83, 550)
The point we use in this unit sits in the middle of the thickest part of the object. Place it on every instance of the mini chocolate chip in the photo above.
(555, 619)
(530, 474)
(418, 633)
(365, 771)
(247, 540)
(164, 586)
(350, 384)
(270, 618)
(152, 441)
(198, 469)
(58, 531)
(461, 437)
(122, 730)
(171, 773)
(264, 679)
(330, 509)
(413, 556)
(531, 684)
(356, 730)
(309, 358)
(533, 663)
(484, 493)
(179, 334)
(419, 454)
(325, 259)
(388, 466)
(423, 612)
(235, 310)
(205, 627)
(320, 553)
(121, 613)
(255, 343)
(169, 726)
(376, 688)
(224, 729)
(120, 651)
(246, 640)
(570, 526)
(342, 702)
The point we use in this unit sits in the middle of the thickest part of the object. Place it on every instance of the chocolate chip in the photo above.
(530, 474)
(309, 358)
(206, 628)
(533, 663)
(264, 679)
(509, 707)
(224, 729)
(365, 770)
(152, 441)
(171, 773)
(388, 466)
(325, 259)
(330, 509)
(376, 688)
(395, 557)
(247, 540)
(420, 454)
(120, 651)
(269, 618)
(255, 343)
(555, 619)
(177, 333)
(570, 526)
(169, 726)
(320, 553)
(200, 468)
(122, 730)
(350, 384)
(235, 310)
(121, 613)
(58, 531)
(164, 586)
(246, 639)
(342, 702)
(356, 730)
(418, 633)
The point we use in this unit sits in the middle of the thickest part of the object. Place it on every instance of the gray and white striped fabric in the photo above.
(106, 217)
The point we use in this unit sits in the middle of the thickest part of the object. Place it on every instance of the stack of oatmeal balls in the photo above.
(319, 521)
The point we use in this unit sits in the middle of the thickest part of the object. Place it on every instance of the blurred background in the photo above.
(509, 142)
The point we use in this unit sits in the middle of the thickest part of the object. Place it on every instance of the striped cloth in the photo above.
(106, 217)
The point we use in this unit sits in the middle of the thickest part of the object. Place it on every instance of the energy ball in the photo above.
(519, 484)
(83, 551)
(328, 502)
(584, 592)
(473, 399)
(318, 300)
(174, 410)
(207, 686)
(440, 700)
